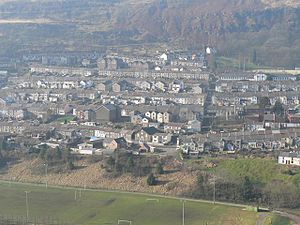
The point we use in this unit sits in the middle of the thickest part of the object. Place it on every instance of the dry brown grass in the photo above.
(93, 176)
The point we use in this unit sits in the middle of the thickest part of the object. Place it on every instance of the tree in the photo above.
(66, 155)
(151, 180)
(110, 161)
(2, 160)
(248, 188)
(42, 154)
(159, 169)
(278, 194)
(278, 108)
(264, 102)
(70, 165)
(201, 183)
(213, 63)
(2, 144)
(203, 188)
(58, 153)
(130, 164)
(254, 56)
(1, 149)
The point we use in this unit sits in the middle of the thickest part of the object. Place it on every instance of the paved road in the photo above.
(261, 218)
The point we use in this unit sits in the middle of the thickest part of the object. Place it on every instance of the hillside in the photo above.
(93, 176)
(271, 27)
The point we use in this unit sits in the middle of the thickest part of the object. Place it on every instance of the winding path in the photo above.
(261, 218)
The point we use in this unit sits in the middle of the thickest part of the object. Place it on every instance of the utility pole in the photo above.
(46, 173)
(8, 164)
(27, 205)
(183, 212)
(214, 197)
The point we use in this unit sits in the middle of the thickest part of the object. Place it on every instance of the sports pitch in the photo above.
(78, 206)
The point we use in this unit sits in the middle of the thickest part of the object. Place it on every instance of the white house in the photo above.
(160, 85)
(176, 86)
(260, 77)
(161, 139)
(161, 117)
(289, 158)
(145, 121)
(164, 57)
(208, 50)
(152, 115)
(157, 68)
(145, 85)
(84, 149)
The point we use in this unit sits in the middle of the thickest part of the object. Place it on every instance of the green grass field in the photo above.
(65, 119)
(259, 170)
(277, 220)
(95, 207)
(224, 62)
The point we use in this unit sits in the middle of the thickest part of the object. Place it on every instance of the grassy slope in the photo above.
(225, 62)
(260, 170)
(277, 220)
(65, 119)
(104, 207)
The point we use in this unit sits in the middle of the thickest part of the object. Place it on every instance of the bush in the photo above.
(278, 194)
(159, 169)
(151, 180)
(95, 158)
(172, 185)
(127, 163)
(70, 165)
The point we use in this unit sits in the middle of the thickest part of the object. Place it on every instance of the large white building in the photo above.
(260, 77)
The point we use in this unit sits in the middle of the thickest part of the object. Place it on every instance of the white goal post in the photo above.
(124, 221)
(152, 200)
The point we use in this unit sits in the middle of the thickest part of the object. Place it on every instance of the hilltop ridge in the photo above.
(272, 26)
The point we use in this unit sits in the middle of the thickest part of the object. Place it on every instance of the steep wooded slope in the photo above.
(235, 27)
